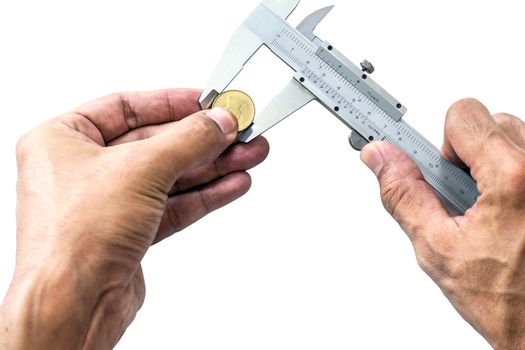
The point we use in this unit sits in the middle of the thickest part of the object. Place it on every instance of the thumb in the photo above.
(188, 144)
(404, 192)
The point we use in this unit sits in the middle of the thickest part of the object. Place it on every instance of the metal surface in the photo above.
(291, 99)
(357, 142)
(242, 46)
(308, 25)
(324, 74)
(354, 76)
(282, 8)
(367, 67)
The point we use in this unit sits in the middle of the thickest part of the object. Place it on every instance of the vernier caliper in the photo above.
(322, 73)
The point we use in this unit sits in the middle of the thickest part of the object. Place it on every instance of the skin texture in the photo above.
(96, 188)
(478, 260)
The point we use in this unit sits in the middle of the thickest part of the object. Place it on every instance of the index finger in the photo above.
(473, 137)
(116, 114)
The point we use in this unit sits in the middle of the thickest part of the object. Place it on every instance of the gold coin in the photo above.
(239, 104)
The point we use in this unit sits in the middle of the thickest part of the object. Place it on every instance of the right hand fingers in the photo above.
(513, 127)
(408, 197)
(474, 138)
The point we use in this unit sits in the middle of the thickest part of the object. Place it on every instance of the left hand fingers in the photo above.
(185, 209)
(112, 116)
(141, 133)
(239, 157)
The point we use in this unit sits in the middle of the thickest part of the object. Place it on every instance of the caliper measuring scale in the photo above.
(322, 73)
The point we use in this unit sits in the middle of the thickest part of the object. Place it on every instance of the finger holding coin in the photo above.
(239, 104)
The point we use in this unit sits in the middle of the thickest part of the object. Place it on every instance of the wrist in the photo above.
(51, 307)
(506, 344)
(503, 327)
(514, 341)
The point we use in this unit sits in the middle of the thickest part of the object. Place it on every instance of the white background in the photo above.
(308, 259)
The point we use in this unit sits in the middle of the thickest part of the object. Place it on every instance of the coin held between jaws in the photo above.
(239, 104)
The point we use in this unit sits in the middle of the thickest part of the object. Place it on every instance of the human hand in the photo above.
(96, 188)
(478, 260)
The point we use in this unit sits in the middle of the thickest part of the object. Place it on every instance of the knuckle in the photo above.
(427, 259)
(504, 118)
(437, 259)
(512, 175)
(515, 167)
(36, 141)
(462, 117)
(397, 198)
(24, 147)
(462, 106)
(511, 125)
(424, 261)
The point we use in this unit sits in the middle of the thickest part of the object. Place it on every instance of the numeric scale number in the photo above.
(340, 94)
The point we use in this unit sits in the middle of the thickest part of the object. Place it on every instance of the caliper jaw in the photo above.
(293, 97)
(362, 105)
(282, 8)
(241, 47)
(308, 25)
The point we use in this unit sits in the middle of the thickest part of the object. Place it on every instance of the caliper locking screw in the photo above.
(367, 67)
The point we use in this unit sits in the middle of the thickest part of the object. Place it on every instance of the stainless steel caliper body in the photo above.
(322, 73)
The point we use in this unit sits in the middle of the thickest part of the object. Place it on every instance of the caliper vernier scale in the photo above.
(325, 75)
